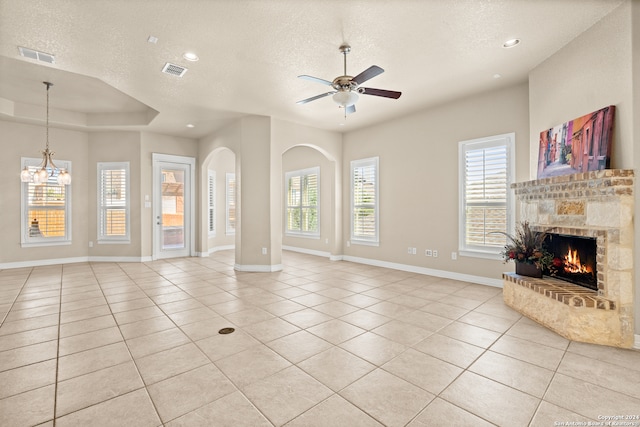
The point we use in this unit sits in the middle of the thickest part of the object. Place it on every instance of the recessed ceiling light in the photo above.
(190, 56)
(152, 39)
(497, 76)
(511, 43)
(190, 125)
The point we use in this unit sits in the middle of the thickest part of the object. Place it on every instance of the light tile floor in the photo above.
(319, 344)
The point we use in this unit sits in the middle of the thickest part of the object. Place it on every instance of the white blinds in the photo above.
(231, 203)
(113, 201)
(212, 201)
(486, 181)
(303, 201)
(364, 187)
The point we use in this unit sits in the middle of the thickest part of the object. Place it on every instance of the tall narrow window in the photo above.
(231, 203)
(46, 208)
(212, 202)
(364, 201)
(486, 206)
(303, 202)
(113, 202)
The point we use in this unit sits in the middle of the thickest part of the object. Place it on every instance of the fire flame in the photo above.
(572, 263)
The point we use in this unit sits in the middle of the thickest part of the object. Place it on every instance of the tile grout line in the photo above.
(55, 391)
(4, 318)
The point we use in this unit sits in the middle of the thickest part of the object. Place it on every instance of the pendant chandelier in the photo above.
(46, 168)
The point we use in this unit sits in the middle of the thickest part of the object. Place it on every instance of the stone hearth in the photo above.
(594, 204)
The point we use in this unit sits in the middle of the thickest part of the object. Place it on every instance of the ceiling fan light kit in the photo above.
(346, 88)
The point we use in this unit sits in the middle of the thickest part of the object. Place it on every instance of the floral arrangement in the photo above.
(527, 246)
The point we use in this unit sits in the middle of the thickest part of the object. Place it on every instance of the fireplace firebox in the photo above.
(574, 259)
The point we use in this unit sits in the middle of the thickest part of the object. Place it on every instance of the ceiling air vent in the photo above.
(173, 69)
(38, 56)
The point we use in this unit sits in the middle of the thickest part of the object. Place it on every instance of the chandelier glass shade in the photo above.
(46, 168)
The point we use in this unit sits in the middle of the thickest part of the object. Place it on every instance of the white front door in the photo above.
(173, 206)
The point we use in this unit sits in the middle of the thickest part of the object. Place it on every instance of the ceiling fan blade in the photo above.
(350, 109)
(367, 74)
(313, 98)
(315, 79)
(381, 92)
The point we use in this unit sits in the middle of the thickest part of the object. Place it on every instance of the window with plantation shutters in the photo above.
(364, 201)
(46, 207)
(231, 203)
(302, 204)
(113, 203)
(486, 204)
(211, 202)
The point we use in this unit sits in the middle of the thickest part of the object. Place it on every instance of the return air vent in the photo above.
(174, 70)
(38, 56)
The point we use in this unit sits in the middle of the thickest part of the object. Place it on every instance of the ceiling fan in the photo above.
(346, 88)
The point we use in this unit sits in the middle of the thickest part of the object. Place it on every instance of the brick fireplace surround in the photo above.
(594, 204)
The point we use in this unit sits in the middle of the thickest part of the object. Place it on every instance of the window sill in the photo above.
(114, 242)
(364, 243)
(302, 235)
(38, 244)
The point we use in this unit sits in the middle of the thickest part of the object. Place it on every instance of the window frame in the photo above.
(27, 241)
(508, 141)
(229, 228)
(211, 202)
(302, 173)
(102, 238)
(361, 163)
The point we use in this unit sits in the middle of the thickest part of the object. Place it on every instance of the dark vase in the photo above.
(526, 269)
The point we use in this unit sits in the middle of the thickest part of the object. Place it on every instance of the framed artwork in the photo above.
(580, 145)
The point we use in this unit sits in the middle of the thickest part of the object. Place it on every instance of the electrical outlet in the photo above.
(264, 251)
(454, 256)
(90, 244)
(435, 254)
(428, 252)
(348, 243)
(414, 251)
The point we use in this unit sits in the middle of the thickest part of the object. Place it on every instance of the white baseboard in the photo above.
(427, 271)
(636, 341)
(323, 254)
(73, 260)
(258, 268)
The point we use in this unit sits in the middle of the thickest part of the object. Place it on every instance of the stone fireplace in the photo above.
(592, 210)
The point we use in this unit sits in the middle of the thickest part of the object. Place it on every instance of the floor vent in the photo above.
(174, 70)
(38, 56)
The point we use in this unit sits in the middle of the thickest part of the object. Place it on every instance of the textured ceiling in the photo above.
(251, 52)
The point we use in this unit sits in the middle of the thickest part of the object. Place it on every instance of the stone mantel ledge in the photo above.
(599, 182)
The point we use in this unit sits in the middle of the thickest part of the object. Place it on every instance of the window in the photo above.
(364, 201)
(231, 203)
(113, 203)
(302, 202)
(486, 172)
(212, 202)
(46, 208)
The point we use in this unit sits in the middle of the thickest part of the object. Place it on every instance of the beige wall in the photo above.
(594, 70)
(591, 72)
(115, 147)
(23, 140)
(419, 177)
(299, 158)
(324, 149)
